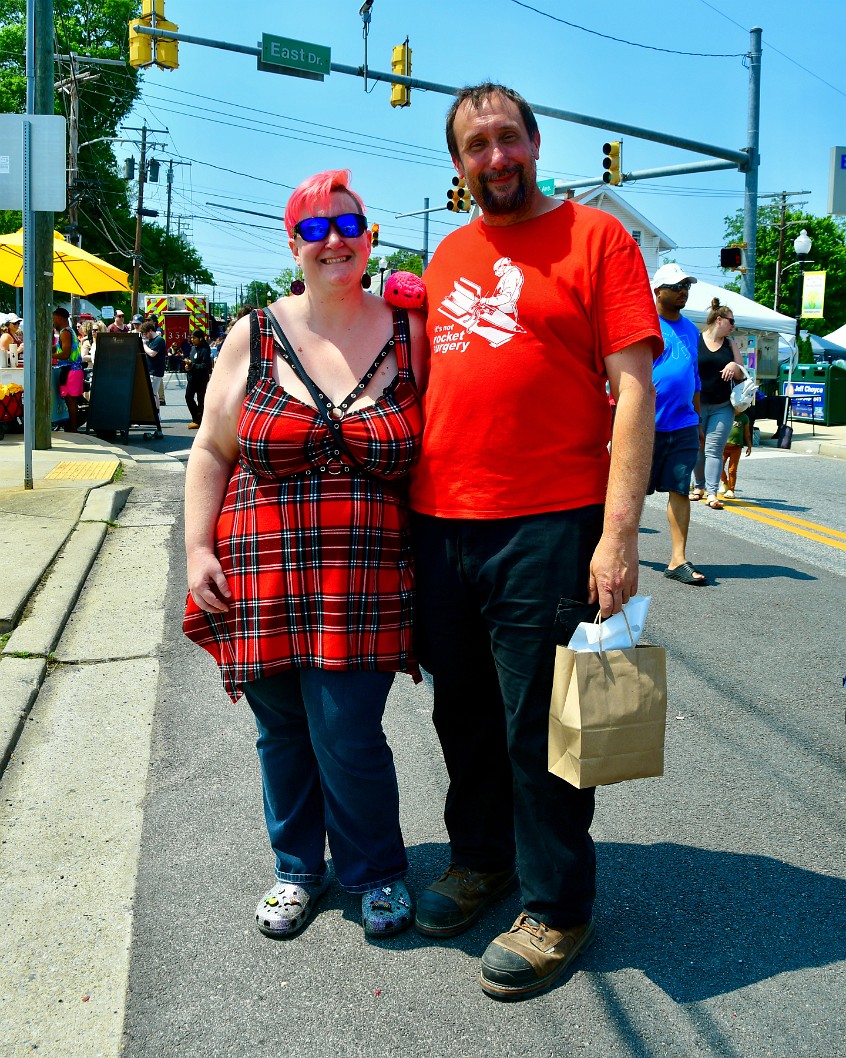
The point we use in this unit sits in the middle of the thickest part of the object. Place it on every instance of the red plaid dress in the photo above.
(316, 552)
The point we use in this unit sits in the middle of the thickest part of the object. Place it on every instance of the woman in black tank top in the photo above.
(719, 369)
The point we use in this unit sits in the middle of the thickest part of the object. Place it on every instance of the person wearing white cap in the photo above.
(10, 340)
(675, 375)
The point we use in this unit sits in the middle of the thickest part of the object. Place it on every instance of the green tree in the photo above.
(401, 261)
(185, 269)
(98, 29)
(105, 202)
(260, 294)
(828, 254)
(284, 280)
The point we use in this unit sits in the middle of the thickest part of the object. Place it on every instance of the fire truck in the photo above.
(180, 315)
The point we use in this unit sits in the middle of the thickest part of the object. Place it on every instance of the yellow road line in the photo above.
(787, 517)
(779, 520)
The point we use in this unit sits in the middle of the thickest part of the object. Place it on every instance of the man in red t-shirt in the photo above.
(523, 522)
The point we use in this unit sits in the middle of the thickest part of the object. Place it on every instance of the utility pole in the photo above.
(167, 225)
(782, 227)
(40, 99)
(136, 260)
(139, 216)
(425, 232)
(170, 166)
(70, 85)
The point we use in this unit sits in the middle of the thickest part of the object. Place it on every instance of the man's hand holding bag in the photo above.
(609, 706)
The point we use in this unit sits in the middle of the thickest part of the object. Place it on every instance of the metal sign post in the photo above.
(33, 179)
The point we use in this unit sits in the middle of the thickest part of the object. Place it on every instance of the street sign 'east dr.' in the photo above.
(295, 57)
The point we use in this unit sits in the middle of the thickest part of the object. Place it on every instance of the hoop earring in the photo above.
(366, 281)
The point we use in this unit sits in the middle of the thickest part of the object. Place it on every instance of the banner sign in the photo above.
(813, 295)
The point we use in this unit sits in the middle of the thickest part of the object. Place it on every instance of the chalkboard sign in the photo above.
(121, 391)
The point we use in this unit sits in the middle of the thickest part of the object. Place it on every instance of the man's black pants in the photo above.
(488, 593)
(195, 393)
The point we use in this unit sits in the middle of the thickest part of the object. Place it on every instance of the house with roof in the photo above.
(651, 240)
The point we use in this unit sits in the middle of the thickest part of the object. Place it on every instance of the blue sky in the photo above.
(252, 136)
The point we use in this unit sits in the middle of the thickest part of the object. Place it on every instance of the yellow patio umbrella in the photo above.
(74, 270)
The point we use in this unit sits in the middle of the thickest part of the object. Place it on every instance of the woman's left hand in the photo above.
(732, 372)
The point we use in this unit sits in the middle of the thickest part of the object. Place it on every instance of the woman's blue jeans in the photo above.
(327, 771)
(716, 421)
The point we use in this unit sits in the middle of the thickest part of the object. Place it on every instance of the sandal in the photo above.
(715, 503)
(285, 909)
(685, 574)
(696, 494)
(387, 910)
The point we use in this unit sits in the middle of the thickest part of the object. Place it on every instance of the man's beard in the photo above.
(497, 203)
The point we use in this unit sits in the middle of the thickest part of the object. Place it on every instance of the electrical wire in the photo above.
(632, 43)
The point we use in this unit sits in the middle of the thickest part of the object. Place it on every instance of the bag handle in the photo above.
(598, 621)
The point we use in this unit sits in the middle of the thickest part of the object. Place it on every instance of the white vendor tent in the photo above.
(749, 315)
(838, 336)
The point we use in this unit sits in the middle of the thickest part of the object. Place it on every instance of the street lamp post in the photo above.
(802, 245)
(383, 267)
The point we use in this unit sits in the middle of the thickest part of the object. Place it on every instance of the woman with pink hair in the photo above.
(299, 564)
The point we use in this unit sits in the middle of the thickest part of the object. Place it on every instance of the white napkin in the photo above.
(613, 633)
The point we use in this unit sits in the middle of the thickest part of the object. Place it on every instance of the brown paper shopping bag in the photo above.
(607, 715)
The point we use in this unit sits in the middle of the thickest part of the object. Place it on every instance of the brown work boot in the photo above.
(454, 902)
(530, 957)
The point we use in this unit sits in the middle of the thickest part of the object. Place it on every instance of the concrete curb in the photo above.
(22, 680)
(47, 609)
(826, 449)
(104, 504)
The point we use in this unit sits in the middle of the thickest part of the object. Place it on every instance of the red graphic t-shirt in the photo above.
(521, 318)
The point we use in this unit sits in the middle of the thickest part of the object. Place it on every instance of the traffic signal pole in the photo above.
(740, 159)
(745, 161)
(750, 196)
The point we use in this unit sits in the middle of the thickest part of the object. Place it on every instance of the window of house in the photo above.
(637, 236)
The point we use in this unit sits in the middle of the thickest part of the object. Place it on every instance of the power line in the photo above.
(772, 47)
(632, 43)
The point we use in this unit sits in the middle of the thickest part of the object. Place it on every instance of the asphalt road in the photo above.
(722, 886)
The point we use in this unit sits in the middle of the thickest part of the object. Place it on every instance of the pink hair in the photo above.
(313, 195)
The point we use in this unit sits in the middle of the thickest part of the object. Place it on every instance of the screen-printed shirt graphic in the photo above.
(493, 316)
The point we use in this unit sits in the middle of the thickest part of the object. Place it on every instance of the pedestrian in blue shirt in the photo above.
(677, 432)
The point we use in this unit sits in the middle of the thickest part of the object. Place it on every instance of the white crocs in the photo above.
(288, 906)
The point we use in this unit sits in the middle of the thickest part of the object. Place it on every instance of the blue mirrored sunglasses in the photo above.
(347, 225)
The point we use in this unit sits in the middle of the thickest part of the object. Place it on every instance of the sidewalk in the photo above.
(827, 441)
(50, 536)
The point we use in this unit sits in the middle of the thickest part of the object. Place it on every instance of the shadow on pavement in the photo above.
(739, 571)
(701, 923)
(697, 923)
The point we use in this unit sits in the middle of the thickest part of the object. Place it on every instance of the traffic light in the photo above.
(140, 45)
(153, 171)
(167, 51)
(458, 197)
(374, 231)
(143, 49)
(612, 162)
(731, 257)
(401, 64)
